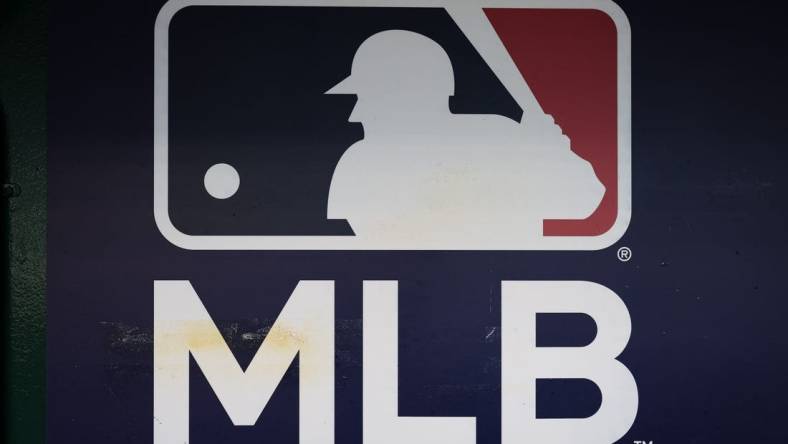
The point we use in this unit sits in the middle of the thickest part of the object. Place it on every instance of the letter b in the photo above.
(523, 363)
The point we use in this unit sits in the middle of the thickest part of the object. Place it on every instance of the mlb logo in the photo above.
(392, 125)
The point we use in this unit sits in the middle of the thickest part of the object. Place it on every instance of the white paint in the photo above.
(382, 423)
(222, 181)
(523, 363)
(537, 125)
(305, 327)
(183, 327)
(424, 177)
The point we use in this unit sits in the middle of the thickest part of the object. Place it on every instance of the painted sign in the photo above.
(346, 226)
(499, 125)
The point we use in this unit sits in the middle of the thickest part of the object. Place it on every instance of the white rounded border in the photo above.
(190, 242)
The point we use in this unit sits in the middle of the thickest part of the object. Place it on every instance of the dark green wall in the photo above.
(23, 45)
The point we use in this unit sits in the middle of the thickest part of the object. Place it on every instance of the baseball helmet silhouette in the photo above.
(402, 61)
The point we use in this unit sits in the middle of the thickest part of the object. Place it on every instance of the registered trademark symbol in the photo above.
(624, 254)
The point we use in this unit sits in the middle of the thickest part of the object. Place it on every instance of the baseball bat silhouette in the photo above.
(475, 24)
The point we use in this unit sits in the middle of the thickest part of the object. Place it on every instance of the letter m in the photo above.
(183, 327)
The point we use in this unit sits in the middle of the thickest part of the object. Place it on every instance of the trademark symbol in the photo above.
(624, 255)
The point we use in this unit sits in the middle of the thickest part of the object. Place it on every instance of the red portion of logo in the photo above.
(569, 58)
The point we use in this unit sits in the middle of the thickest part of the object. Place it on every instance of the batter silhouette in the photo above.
(424, 173)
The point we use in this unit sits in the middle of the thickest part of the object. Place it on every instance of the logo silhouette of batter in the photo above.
(424, 174)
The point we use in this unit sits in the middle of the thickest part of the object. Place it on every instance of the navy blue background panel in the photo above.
(704, 287)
